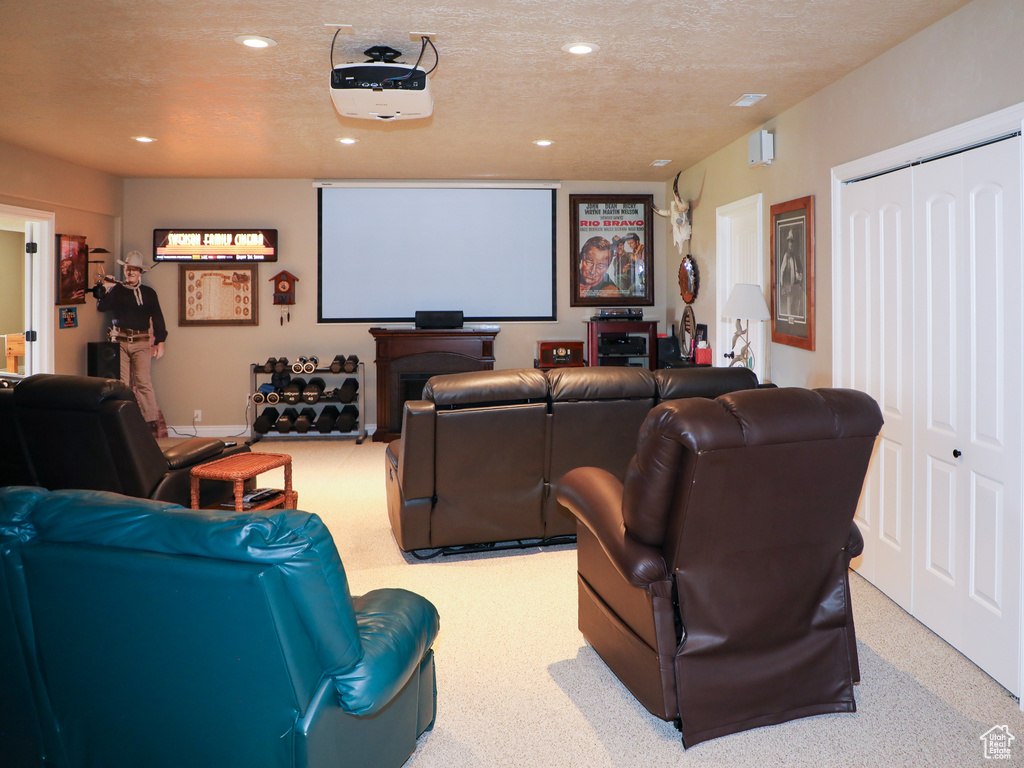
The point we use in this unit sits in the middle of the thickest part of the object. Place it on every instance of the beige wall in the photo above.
(966, 66)
(12, 291)
(84, 202)
(208, 368)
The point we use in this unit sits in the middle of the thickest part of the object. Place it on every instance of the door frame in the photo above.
(989, 127)
(40, 277)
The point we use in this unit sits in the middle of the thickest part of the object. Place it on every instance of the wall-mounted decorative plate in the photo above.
(689, 279)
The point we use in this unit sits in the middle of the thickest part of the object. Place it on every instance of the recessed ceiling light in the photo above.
(660, 163)
(348, 141)
(144, 139)
(543, 142)
(581, 48)
(255, 41)
(748, 99)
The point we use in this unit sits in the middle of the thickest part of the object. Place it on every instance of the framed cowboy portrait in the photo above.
(792, 273)
(611, 248)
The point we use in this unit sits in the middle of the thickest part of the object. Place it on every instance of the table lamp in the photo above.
(746, 303)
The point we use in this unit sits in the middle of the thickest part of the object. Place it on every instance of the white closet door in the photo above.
(967, 459)
(876, 307)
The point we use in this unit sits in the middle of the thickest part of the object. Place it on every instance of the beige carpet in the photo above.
(519, 686)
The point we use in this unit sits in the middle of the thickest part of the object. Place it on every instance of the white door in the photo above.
(739, 258)
(875, 298)
(967, 464)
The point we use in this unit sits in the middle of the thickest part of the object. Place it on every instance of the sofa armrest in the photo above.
(416, 454)
(594, 496)
(193, 451)
(396, 629)
(855, 542)
(176, 484)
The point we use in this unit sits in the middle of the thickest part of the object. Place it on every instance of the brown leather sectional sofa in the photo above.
(480, 453)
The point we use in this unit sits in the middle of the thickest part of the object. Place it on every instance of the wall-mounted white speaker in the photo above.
(761, 148)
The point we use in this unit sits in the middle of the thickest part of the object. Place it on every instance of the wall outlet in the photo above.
(197, 415)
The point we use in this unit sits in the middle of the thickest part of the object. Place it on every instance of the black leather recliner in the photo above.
(86, 432)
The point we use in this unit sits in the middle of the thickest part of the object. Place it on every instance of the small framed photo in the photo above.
(611, 244)
(217, 295)
(792, 273)
(72, 269)
(69, 317)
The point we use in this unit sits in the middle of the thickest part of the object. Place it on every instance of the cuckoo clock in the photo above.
(284, 292)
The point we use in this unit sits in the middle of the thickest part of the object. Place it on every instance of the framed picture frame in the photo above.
(611, 243)
(69, 317)
(72, 269)
(210, 296)
(792, 273)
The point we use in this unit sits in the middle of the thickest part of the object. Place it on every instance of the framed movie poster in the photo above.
(792, 272)
(610, 245)
(72, 268)
(217, 295)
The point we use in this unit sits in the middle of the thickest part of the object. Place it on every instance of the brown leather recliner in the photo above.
(88, 433)
(714, 580)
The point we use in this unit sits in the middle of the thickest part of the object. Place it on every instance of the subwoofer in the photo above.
(104, 359)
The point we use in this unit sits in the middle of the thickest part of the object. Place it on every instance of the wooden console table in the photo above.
(240, 467)
(407, 357)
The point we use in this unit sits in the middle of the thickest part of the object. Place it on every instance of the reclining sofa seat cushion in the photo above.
(742, 508)
(101, 561)
(14, 466)
(490, 432)
(596, 415)
(677, 383)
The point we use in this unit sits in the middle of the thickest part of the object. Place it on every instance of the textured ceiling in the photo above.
(79, 78)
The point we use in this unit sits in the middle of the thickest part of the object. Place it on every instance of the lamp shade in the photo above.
(746, 302)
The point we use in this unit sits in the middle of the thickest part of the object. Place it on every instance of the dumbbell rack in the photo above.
(256, 371)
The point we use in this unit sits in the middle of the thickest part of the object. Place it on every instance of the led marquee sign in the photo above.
(219, 245)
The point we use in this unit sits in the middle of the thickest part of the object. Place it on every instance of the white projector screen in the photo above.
(386, 252)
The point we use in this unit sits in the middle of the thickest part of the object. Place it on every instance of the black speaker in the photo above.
(438, 319)
(104, 359)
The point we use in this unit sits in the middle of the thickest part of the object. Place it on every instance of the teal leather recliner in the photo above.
(136, 633)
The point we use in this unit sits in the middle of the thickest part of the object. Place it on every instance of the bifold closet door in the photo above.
(874, 319)
(967, 394)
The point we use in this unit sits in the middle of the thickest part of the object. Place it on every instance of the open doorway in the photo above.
(26, 316)
(739, 258)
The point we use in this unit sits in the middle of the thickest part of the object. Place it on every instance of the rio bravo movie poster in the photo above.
(613, 250)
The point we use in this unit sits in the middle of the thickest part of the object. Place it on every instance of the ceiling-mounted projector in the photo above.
(381, 89)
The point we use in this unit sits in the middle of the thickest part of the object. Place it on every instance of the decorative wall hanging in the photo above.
(792, 272)
(678, 214)
(72, 269)
(689, 279)
(610, 243)
(217, 295)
